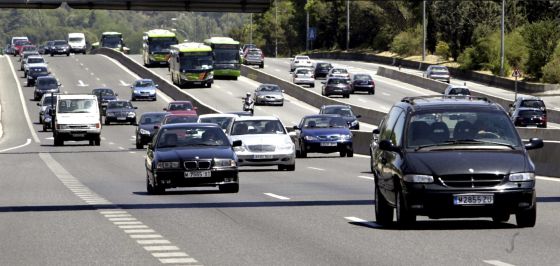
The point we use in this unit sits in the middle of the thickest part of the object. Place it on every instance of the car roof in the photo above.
(154, 113)
(181, 115)
(180, 102)
(336, 105)
(180, 125)
(322, 115)
(217, 115)
(250, 118)
(443, 101)
(457, 87)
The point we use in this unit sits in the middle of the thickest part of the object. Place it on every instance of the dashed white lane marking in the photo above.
(111, 143)
(217, 86)
(366, 177)
(142, 234)
(229, 92)
(385, 94)
(497, 263)
(92, 73)
(361, 221)
(87, 68)
(121, 148)
(277, 196)
(124, 84)
(17, 147)
(132, 152)
(98, 79)
(362, 100)
(315, 168)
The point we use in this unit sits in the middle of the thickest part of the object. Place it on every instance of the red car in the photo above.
(18, 46)
(179, 118)
(181, 107)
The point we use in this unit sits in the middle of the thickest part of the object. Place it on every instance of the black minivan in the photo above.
(452, 158)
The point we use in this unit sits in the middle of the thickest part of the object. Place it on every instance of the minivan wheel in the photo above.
(527, 218)
(404, 216)
(383, 212)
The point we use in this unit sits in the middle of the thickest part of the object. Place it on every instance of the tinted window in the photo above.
(119, 104)
(362, 77)
(529, 113)
(390, 120)
(257, 127)
(180, 106)
(180, 119)
(76, 106)
(303, 71)
(532, 103)
(144, 83)
(151, 118)
(339, 81)
(59, 42)
(191, 136)
(324, 122)
(342, 111)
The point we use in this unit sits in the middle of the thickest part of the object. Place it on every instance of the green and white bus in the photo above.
(191, 63)
(112, 40)
(226, 56)
(155, 46)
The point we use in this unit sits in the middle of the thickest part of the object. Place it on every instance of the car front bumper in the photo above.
(176, 178)
(323, 147)
(144, 94)
(265, 159)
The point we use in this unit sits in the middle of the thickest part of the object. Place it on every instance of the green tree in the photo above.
(541, 39)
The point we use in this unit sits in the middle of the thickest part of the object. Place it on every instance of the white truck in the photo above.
(77, 42)
(77, 117)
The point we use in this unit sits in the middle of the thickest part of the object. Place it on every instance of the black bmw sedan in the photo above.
(191, 155)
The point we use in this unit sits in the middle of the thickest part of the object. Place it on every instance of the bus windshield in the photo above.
(158, 45)
(196, 61)
(111, 41)
(226, 53)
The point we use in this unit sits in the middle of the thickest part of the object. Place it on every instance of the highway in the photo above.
(87, 205)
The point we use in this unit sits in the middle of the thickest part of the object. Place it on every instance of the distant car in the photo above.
(45, 85)
(24, 57)
(241, 113)
(46, 100)
(336, 86)
(528, 102)
(48, 47)
(362, 82)
(436, 72)
(35, 71)
(143, 89)
(345, 111)
(322, 69)
(120, 111)
(323, 134)
(18, 46)
(147, 127)
(225, 121)
(104, 96)
(265, 142)
(458, 90)
(526, 117)
(177, 107)
(60, 47)
(191, 155)
(269, 94)
(30, 60)
(248, 46)
(179, 118)
(28, 48)
(300, 61)
(303, 76)
(254, 56)
(338, 72)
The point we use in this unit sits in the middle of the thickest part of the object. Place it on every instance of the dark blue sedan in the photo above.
(323, 134)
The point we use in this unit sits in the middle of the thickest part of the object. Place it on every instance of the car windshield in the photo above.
(179, 106)
(532, 104)
(144, 83)
(179, 119)
(47, 82)
(303, 71)
(342, 111)
(323, 65)
(459, 91)
(362, 77)
(60, 43)
(339, 81)
(151, 118)
(339, 71)
(35, 60)
(111, 41)
(269, 88)
(76, 106)
(254, 52)
(530, 113)
(257, 127)
(104, 92)
(196, 62)
(119, 104)
(442, 128)
(440, 70)
(191, 136)
(75, 39)
(324, 122)
(302, 58)
(223, 122)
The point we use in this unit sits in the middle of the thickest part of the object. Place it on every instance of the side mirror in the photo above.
(164, 109)
(156, 127)
(387, 145)
(375, 131)
(157, 86)
(296, 128)
(116, 94)
(237, 143)
(358, 116)
(135, 107)
(534, 143)
(38, 104)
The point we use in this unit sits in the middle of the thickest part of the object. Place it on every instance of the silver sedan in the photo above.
(269, 94)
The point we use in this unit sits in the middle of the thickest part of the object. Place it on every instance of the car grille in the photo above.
(261, 148)
(471, 181)
(332, 137)
(198, 165)
(78, 126)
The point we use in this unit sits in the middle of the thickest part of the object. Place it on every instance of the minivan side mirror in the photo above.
(237, 143)
(387, 145)
(534, 143)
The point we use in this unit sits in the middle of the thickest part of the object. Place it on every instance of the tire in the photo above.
(25, 74)
(229, 188)
(350, 153)
(107, 122)
(97, 141)
(132, 99)
(383, 212)
(52, 54)
(45, 128)
(282, 103)
(303, 152)
(58, 141)
(501, 218)
(68, 54)
(158, 189)
(290, 167)
(261, 65)
(91, 142)
(405, 217)
(139, 145)
(40, 119)
(527, 218)
(342, 153)
(312, 86)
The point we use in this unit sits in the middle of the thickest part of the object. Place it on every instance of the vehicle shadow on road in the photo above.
(441, 225)
(180, 192)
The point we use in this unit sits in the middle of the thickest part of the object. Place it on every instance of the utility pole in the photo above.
(251, 30)
(276, 28)
(307, 30)
(347, 25)
(424, 31)
(502, 39)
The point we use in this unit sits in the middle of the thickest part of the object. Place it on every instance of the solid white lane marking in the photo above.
(121, 148)
(23, 103)
(111, 143)
(497, 263)
(548, 178)
(362, 100)
(169, 254)
(177, 260)
(161, 248)
(315, 168)
(277, 196)
(92, 73)
(362, 221)
(153, 241)
(146, 236)
(366, 177)
(139, 231)
(17, 147)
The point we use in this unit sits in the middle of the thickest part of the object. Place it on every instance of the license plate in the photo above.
(194, 174)
(328, 144)
(79, 135)
(263, 156)
(473, 199)
(121, 118)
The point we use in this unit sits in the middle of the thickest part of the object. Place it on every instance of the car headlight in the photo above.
(520, 177)
(261, 96)
(131, 114)
(310, 138)
(224, 163)
(94, 125)
(419, 178)
(353, 123)
(110, 114)
(144, 132)
(285, 147)
(345, 137)
(167, 165)
(239, 149)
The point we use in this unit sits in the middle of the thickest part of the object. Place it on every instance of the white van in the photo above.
(77, 42)
(77, 118)
(15, 39)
